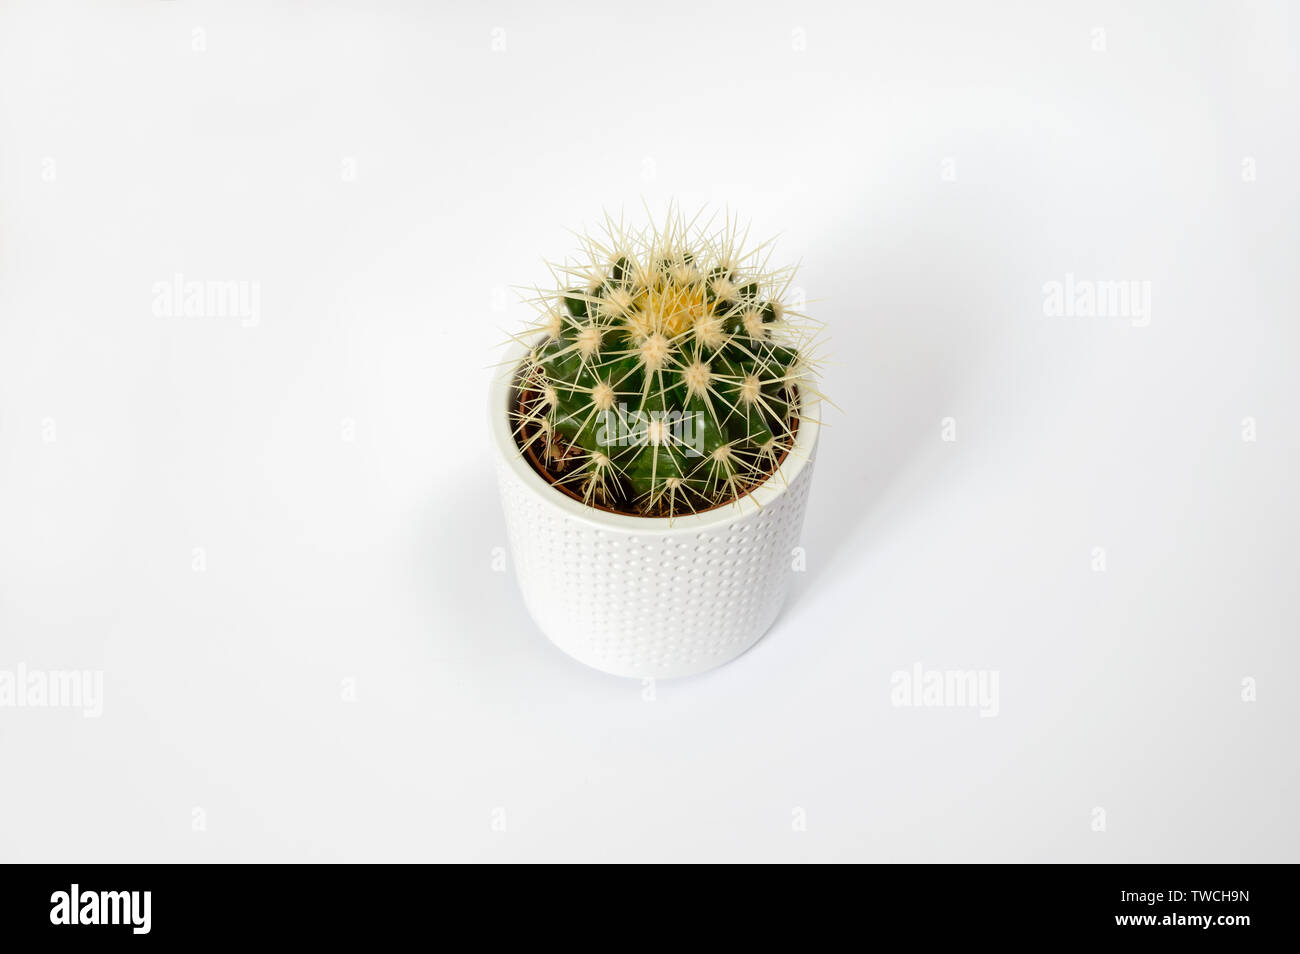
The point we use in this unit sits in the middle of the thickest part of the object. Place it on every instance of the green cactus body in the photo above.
(669, 379)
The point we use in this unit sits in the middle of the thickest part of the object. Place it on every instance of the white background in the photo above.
(386, 176)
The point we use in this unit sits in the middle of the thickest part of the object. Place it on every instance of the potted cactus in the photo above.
(655, 433)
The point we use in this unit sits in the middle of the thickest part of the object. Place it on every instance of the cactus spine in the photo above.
(668, 371)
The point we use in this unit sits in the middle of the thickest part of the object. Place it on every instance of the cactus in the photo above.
(666, 373)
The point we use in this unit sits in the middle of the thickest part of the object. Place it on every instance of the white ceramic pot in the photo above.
(644, 596)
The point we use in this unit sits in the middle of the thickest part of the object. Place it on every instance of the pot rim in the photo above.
(768, 492)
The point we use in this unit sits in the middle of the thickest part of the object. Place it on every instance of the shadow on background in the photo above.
(908, 320)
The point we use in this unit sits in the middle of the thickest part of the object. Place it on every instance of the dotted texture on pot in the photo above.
(659, 603)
